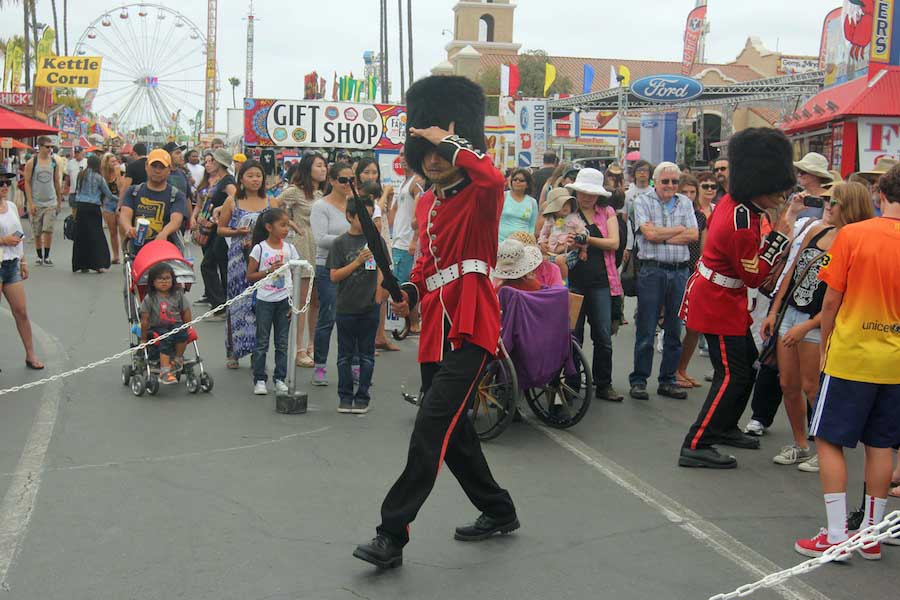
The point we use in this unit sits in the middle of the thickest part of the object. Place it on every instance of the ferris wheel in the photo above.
(154, 75)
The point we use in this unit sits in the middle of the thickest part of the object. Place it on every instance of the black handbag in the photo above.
(69, 228)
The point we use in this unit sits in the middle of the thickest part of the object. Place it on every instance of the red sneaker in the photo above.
(873, 553)
(816, 547)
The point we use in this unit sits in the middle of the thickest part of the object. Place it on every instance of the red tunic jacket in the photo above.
(733, 249)
(459, 222)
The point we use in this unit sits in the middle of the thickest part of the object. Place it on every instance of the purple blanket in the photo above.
(535, 331)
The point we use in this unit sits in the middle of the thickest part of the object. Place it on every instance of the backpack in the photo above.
(136, 192)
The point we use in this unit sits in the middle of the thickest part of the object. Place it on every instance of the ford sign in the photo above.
(666, 88)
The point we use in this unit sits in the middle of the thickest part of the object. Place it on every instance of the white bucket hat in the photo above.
(515, 260)
(589, 181)
(814, 164)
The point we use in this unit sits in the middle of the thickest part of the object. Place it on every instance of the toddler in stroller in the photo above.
(156, 281)
(163, 309)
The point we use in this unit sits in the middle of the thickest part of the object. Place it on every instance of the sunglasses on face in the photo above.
(670, 181)
(721, 169)
(5, 183)
(642, 172)
(708, 186)
(344, 180)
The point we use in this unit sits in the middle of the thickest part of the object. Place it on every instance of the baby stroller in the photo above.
(143, 372)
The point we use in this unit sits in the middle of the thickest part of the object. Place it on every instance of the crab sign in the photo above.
(858, 20)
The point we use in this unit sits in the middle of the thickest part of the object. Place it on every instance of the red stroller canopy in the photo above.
(160, 251)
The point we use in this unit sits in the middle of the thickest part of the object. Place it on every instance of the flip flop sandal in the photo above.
(232, 363)
(303, 360)
(34, 366)
(683, 382)
(894, 492)
(389, 347)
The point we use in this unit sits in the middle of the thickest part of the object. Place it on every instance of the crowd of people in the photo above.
(639, 231)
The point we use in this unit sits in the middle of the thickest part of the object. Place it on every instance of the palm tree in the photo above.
(234, 81)
(27, 5)
(55, 25)
(410, 36)
(400, 36)
(66, 27)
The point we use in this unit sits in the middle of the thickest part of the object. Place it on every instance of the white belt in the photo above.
(718, 279)
(454, 272)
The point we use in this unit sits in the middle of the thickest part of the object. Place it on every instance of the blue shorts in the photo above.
(403, 263)
(848, 412)
(10, 272)
(109, 206)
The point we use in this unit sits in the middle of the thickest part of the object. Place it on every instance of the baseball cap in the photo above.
(172, 147)
(161, 156)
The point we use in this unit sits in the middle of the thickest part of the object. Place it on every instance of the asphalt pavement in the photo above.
(217, 496)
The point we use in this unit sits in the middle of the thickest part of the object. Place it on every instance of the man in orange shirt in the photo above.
(859, 399)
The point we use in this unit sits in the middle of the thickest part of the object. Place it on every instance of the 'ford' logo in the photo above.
(666, 88)
(523, 117)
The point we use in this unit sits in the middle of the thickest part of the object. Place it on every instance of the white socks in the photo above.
(836, 510)
(874, 511)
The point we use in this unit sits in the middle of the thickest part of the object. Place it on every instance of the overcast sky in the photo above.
(294, 37)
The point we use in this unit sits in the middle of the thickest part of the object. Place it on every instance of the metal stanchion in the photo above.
(293, 402)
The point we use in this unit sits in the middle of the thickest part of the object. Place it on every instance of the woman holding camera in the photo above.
(597, 278)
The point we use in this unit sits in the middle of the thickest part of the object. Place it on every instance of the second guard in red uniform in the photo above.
(735, 258)
(459, 218)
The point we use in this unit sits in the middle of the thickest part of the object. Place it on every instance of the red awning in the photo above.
(14, 125)
(18, 145)
(861, 97)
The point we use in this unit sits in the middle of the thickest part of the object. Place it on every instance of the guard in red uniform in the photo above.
(735, 258)
(459, 217)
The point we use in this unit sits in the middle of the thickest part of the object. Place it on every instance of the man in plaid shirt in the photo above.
(665, 224)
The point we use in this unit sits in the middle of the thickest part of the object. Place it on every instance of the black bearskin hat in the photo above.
(760, 162)
(440, 100)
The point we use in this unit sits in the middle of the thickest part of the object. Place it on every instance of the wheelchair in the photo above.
(562, 393)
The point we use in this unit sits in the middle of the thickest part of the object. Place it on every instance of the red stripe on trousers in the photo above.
(456, 417)
(712, 408)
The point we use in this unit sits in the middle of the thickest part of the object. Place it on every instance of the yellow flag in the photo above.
(626, 73)
(549, 77)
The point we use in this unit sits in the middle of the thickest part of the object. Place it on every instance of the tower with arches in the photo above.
(486, 26)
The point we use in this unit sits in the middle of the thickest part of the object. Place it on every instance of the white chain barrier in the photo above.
(251, 289)
(865, 538)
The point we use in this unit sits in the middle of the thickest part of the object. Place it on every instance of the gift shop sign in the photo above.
(322, 124)
(666, 88)
(878, 138)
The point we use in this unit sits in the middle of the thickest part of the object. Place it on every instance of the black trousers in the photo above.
(732, 358)
(443, 433)
(214, 269)
(766, 395)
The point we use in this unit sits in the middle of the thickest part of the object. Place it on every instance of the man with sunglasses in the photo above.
(665, 224)
(735, 257)
(43, 193)
(720, 170)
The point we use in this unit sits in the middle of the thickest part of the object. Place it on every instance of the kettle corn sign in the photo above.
(69, 71)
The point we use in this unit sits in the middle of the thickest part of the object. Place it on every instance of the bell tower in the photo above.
(486, 25)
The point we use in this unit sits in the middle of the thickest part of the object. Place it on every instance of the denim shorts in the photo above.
(109, 206)
(792, 317)
(10, 272)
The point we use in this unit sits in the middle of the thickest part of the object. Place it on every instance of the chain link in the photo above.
(865, 538)
(309, 291)
(140, 347)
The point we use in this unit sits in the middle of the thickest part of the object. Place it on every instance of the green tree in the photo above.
(55, 25)
(489, 80)
(532, 68)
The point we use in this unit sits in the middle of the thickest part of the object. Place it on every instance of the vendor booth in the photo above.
(856, 119)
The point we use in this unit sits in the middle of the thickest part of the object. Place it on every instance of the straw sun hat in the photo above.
(516, 260)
